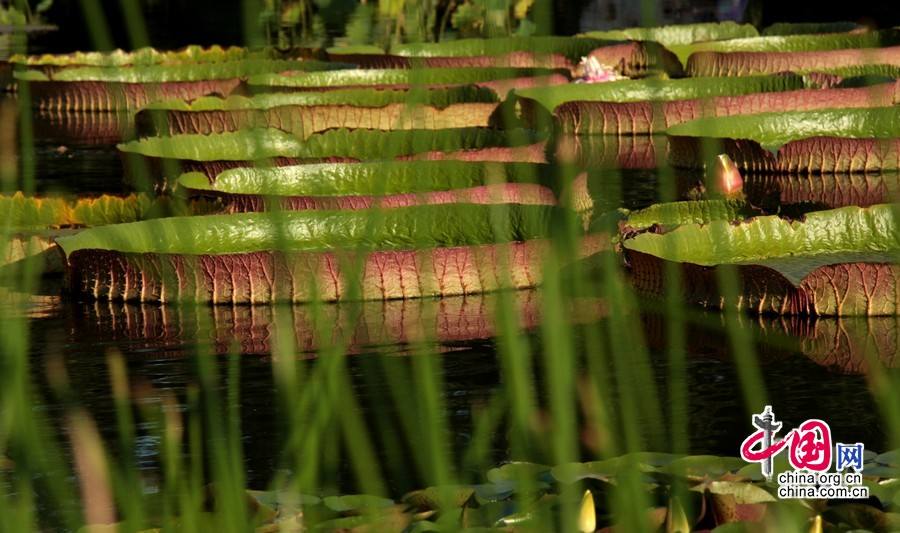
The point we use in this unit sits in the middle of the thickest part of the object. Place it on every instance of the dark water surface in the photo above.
(162, 352)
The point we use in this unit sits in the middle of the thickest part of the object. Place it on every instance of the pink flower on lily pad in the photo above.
(593, 71)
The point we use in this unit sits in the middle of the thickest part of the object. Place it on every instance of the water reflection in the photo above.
(822, 191)
(363, 326)
(840, 345)
(611, 151)
(81, 128)
(812, 367)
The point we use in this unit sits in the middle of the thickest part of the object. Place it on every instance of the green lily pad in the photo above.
(785, 264)
(679, 34)
(763, 240)
(687, 212)
(551, 97)
(753, 471)
(419, 76)
(772, 130)
(794, 43)
(742, 492)
(255, 144)
(710, 466)
(410, 227)
(355, 97)
(276, 499)
(356, 502)
(891, 458)
(176, 73)
(437, 498)
(609, 468)
(360, 179)
(145, 56)
(881, 471)
(518, 470)
(571, 47)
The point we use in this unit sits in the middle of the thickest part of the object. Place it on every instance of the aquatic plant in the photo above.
(524, 305)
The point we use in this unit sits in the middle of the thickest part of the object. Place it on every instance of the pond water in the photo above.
(811, 369)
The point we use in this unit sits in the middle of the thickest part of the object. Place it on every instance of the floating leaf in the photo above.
(788, 267)
(437, 498)
(658, 90)
(709, 466)
(356, 502)
(519, 470)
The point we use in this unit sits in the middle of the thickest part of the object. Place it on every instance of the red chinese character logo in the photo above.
(810, 444)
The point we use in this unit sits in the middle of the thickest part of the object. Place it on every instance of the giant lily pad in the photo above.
(686, 212)
(27, 212)
(519, 59)
(387, 184)
(391, 77)
(795, 43)
(305, 120)
(305, 255)
(628, 58)
(837, 262)
(572, 47)
(175, 73)
(115, 88)
(144, 56)
(359, 97)
(647, 117)
(833, 140)
(754, 63)
(110, 89)
(658, 90)
(679, 34)
(212, 154)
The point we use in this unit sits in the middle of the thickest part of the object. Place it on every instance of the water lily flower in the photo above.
(727, 177)
(593, 71)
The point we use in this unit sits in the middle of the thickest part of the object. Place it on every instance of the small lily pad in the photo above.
(354, 502)
(448, 496)
(519, 470)
(881, 471)
(891, 458)
(709, 466)
(743, 493)
(645, 462)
